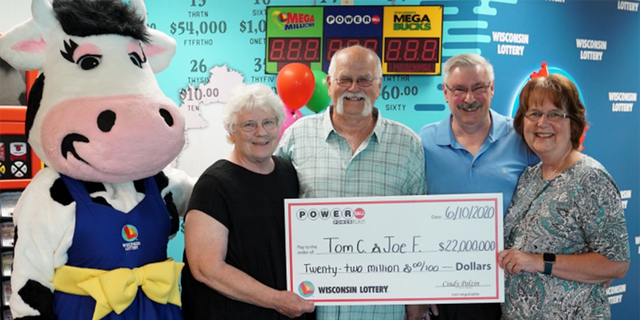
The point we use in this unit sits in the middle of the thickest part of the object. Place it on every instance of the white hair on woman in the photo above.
(250, 97)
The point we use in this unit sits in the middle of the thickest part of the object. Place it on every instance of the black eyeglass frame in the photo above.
(460, 92)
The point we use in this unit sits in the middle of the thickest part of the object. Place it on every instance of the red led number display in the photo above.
(335, 44)
(411, 50)
(294, 49)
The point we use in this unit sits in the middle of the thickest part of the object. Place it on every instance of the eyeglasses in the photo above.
(478, 90)
(552, 116)
(252, 125)
(346, 82)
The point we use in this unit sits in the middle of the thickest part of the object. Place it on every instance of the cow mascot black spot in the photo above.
(93, 225)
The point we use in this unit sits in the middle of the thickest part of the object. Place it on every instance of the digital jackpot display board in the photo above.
(408, 39)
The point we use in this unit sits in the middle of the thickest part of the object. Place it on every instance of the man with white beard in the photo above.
(352, 151)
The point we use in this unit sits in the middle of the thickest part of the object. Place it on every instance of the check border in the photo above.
(292, 205)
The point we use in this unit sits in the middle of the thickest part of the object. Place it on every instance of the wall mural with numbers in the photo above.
(222, 43)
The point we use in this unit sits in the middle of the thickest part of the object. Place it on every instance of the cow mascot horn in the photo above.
(93, 225)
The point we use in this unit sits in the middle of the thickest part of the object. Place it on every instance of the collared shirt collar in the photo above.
(499, 127)
(328, 125)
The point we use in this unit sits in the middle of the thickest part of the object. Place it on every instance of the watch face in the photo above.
(549, 257)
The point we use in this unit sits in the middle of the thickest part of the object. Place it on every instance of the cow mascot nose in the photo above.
(93, 225)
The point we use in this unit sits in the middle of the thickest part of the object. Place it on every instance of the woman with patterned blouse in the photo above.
(565, 232)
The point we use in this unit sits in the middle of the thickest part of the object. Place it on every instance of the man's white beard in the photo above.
(368, 106)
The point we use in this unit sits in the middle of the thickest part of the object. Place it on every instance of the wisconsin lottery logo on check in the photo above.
(306, 289)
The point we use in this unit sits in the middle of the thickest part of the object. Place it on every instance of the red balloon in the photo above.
(295, 85)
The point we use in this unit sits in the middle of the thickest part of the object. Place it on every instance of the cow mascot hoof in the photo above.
(93, 225)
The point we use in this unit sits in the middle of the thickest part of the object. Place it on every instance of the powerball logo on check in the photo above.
(339, 216)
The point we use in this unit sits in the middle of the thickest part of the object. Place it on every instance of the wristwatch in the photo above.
(549, 260)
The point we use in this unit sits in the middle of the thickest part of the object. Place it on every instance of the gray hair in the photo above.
(372, 56)
(466, 60)
(250, 97)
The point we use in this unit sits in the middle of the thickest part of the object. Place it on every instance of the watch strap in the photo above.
(549, 260)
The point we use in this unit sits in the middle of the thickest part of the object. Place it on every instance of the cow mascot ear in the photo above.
(93, 225)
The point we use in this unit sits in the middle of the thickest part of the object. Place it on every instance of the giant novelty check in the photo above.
(395, 250)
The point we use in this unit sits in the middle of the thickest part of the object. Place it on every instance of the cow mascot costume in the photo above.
(93, 225)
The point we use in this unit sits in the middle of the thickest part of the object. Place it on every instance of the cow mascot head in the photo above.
(93, 225)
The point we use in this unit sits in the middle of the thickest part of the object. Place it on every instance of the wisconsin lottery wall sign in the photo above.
(408, 39)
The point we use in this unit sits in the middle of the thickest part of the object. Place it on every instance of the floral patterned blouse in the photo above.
(578, 211)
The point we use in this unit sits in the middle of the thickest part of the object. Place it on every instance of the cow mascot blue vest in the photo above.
(93, 225)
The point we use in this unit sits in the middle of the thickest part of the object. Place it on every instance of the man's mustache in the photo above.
(470, 106)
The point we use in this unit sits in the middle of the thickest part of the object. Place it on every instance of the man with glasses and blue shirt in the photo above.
(352, 151)
(473, 150)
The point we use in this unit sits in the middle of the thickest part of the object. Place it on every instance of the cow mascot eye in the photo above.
(135, 59)
(88, 62)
